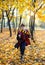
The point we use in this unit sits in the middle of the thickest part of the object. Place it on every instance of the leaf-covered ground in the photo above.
(34, 53)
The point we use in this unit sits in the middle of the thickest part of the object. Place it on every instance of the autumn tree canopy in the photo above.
(21, 5)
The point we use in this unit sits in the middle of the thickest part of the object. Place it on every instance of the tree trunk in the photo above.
(32, 26)
(2, 22)
(32, 20)
(9, 24)
(14, 26)
(16, 22)
(20, 21)
(9, 27)
(1, 25)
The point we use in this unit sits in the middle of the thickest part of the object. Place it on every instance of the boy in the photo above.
(23, 39)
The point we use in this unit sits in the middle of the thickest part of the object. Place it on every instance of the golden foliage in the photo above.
(40, 14)
(22, 5)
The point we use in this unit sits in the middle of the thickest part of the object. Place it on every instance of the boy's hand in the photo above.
(19, 36)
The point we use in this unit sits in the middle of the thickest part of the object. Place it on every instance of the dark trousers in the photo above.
(22, 48)
(16, 45)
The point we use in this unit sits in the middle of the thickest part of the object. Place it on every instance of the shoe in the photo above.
(22, 59)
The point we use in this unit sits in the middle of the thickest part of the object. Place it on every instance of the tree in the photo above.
(5, 7)
(32, 26)
(34, 6)
(21, 5)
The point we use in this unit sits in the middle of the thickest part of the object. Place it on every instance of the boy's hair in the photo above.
(22, 25)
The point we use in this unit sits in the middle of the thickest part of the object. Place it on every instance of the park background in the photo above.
(12, 14)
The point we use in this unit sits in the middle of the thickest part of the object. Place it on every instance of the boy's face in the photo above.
(22, 27)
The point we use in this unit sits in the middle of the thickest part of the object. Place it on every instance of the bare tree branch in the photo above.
(39, 7)
(12, 14)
